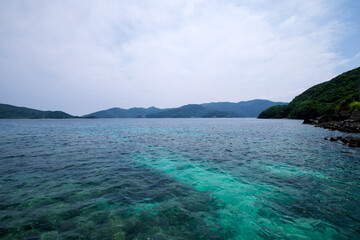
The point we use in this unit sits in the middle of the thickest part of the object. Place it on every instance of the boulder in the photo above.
(308, 121)
(335, 117)
(355, 116)
(351, 141)
(324, 119)
(354, 142)
(344, 115)
(334, 138)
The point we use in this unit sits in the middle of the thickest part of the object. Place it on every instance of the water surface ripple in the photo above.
(176, 179)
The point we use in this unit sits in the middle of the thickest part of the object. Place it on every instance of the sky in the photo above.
(85, 55)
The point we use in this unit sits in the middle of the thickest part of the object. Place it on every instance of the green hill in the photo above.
(340, 93)
(189, 111)
(13, 112)
(124, 113)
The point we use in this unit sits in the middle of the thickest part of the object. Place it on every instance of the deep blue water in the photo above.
(176, 179)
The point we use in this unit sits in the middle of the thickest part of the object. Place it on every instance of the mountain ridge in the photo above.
(250, 108)
(8, 111)
(213, 109)
(116, 112)
(189, 111)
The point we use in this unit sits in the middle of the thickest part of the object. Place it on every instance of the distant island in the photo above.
(14, 112)
(206, 110)
(190, 111)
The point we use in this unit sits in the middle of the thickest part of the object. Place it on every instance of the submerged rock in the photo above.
(346, 139)
(333, 138)
(354, 142)
(349, 140)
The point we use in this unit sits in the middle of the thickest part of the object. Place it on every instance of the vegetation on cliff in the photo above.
(340, 93)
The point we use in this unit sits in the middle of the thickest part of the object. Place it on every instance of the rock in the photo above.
(348, 138)
(355, 116)
(308, 121)
(343, 126)
(344, 115)
(334, 138)
(351, 141)
(354, 142)
(335, 117)
(324, 119)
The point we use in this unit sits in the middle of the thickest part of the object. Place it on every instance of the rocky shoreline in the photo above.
(349, 140)
(343, 121)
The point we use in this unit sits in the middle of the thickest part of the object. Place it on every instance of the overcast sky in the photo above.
(84, 56)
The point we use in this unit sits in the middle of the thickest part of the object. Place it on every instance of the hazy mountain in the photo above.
(189, 111)
(243, 109)
(14, 112)
(124, 113)
(219, 109)
(340, 93)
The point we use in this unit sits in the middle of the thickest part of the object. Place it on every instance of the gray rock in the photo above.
(355, 116)
(344, 115)
(324, 119)
(354, 142)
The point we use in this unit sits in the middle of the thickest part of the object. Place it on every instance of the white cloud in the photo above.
(83, 56)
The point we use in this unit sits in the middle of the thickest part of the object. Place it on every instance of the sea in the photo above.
(154, 179)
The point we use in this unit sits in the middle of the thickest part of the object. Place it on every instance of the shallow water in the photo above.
(176, 179)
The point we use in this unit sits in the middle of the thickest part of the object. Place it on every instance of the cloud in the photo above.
(83, 56)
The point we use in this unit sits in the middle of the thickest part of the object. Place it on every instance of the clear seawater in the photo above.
(176, 179)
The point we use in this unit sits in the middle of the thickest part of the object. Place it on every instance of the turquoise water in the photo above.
(176, 179)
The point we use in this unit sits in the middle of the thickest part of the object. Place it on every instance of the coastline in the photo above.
(344, 121)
